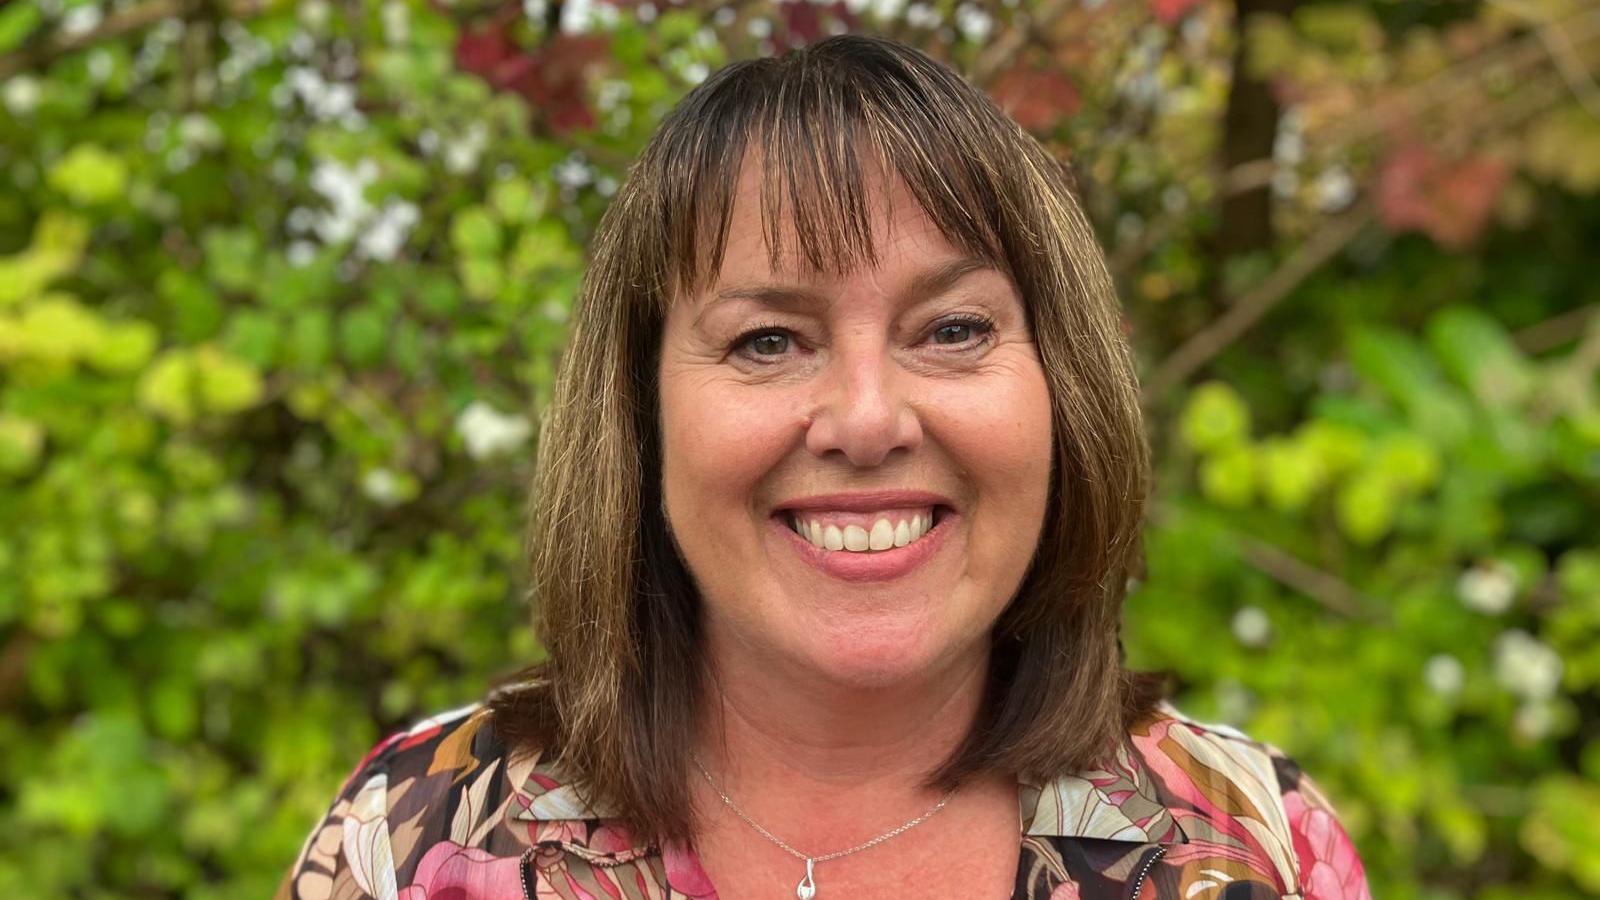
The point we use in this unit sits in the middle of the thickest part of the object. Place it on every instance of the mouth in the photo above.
(866, 546)
(879, 531)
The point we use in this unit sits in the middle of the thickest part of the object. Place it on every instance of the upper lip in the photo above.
(866, 501)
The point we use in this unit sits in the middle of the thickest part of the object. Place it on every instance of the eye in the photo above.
(768, 343)
(962, 330)
(764, 343)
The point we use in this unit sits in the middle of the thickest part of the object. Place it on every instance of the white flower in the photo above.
(1334, 189)
(572, 172)
(1534, 720)
(100, 65)
(22, 95)
(81, 20)
(315, 14)
(387, 234)
(344, 187)
(1251, 626)
(381, 486)
(1526, 666)
(974, 22)
(301, 253)
(921, 15)
(461, 156)
(396, 22)
(1235, 702)
(197, 131)
(1444, 674)
(488, 432)
(1488, 588)
(325, 100)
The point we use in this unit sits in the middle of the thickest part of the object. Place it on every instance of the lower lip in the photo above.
(876, 565)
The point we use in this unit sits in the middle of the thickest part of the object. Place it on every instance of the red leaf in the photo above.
(554, 79)
(1450, 201)
(1038, 99)
(1171, 12)
(480, 50)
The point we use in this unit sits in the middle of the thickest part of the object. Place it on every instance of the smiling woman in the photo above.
(836, 505)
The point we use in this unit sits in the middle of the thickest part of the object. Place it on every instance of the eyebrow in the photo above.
(929, 282)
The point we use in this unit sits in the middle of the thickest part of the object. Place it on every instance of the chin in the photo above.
(876, 655)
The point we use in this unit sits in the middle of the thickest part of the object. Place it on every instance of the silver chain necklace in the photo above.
(807, 888)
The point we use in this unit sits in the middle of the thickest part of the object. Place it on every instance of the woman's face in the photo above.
(811, 429)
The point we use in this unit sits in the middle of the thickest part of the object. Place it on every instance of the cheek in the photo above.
(1001, 438)
(716, 446)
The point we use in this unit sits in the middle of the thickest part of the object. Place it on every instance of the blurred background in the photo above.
(283, 284)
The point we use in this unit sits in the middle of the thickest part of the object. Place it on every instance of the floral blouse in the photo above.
(1185, 811)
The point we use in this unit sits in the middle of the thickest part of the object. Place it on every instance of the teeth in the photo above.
(885, 533)
(832, 538)
(882, 536)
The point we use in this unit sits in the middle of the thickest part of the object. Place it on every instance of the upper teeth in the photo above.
(887, 530)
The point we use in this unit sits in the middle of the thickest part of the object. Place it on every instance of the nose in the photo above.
(862, 409)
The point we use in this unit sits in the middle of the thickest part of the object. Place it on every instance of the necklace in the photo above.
(807, 888)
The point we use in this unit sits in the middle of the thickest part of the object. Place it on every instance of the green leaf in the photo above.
(167, 387)
(515, 200)
(1479, 354)
(227, 385)
(1228, 476)
(1407, 461)
(90, 175)
(231, 257)
(124, 347)
(363, 336)
(310, 344)
(253, 336)
(59, 331)
(1365, 508)
(21, 442)
(541, 248)
(482, 278)
(17, 21)
(475, 234)
(1215, 418)
(196, 311)
(1292, 472)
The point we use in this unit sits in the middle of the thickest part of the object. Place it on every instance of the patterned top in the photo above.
(1185, 811)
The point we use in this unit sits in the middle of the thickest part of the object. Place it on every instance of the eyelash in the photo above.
(982, 325)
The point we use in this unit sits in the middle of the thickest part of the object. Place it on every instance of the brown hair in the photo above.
(618, 614)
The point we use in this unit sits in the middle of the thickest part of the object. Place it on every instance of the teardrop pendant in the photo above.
(808, 885)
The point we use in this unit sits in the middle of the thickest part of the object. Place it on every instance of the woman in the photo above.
(835, 508)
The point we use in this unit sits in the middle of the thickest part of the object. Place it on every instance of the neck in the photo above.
(766, 724)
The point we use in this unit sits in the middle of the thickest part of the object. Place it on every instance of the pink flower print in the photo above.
(684, 872)
(449, 871)
(1329, 866)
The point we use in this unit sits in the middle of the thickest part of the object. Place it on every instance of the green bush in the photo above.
(282, 288)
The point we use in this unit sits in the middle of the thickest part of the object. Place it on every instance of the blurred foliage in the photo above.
(282, 286)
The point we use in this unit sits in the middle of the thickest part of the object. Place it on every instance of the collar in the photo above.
(1116, 802)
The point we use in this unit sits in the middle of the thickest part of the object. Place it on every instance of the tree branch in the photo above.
(1248, 309)
(1324, 587)
(1541, 337)
(114, 26)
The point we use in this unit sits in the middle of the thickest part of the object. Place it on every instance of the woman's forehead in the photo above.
(765, 235)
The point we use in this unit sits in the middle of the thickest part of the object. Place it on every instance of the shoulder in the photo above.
(440, 788)
(1226, 788)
